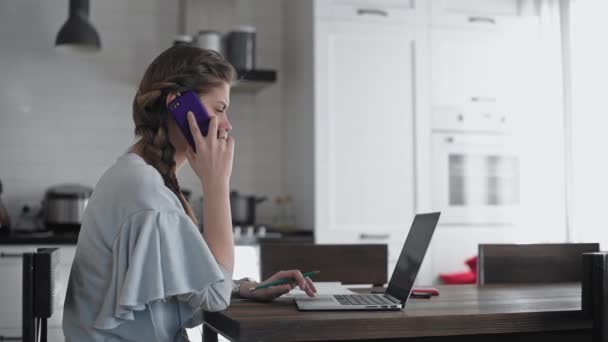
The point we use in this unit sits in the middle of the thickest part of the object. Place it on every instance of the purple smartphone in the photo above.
(189, 102)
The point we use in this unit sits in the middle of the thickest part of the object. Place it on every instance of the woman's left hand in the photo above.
(273, 292)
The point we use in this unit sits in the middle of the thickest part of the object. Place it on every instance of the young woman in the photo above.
(142, 270)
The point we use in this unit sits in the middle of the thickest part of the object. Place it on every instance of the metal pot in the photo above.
(63, 206)
(243, 208)
(5, 221)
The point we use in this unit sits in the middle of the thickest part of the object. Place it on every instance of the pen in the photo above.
(282, 281)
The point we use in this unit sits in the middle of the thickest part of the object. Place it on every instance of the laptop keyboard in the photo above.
(362, 299)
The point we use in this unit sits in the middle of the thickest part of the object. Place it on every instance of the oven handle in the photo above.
(372, 11)
(486, 20)
(10, 255)
(374, 236)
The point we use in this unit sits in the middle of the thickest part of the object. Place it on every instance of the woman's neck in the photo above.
(138, 149)
(179, 157)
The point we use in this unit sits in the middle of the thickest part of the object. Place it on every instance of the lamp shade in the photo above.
(77, 33)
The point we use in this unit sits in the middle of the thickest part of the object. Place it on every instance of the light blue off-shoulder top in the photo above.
(142, 270)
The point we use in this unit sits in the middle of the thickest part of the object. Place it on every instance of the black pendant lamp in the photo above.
(77, 33)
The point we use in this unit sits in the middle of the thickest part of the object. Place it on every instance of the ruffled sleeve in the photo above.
(156, 255)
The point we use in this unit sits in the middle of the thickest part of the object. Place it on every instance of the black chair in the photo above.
(531, 263)
(595, 293)
(349, 264)
(39, 290)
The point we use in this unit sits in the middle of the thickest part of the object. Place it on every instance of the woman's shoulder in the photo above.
(133, 183)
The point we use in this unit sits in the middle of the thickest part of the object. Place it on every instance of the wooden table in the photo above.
(461, 313)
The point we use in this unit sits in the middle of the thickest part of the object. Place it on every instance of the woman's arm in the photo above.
(212, 163)
(214, 298)
(218, 226)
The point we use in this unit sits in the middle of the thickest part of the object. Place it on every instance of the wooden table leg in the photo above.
(209, 335)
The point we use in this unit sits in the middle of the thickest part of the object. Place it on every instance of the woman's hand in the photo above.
(212, 161)
(270, 293)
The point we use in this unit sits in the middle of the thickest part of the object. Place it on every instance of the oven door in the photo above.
(475, 178)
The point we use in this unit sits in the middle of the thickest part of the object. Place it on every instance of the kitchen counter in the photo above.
(49, 238)
(43, 238)
(296, 237)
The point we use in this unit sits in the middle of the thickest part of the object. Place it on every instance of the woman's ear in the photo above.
(171, 97)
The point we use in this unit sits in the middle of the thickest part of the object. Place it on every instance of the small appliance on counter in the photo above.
(5, 220)
(63, 207)
(29, 222)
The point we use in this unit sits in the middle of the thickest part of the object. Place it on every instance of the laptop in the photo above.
(402, 280)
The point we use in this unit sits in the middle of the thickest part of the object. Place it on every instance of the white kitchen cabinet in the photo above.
(490, 7)
(364, 132)
(11, 334)
(482, 66)
(352, 72)
(14, 334)
(366, 11)
(479, 14)
(11, 285)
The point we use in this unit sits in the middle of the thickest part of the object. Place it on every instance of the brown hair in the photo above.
(178, 69)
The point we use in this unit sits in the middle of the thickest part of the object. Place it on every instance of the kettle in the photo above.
(5, 221)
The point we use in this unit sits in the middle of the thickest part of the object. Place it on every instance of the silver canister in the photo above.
(209, 40)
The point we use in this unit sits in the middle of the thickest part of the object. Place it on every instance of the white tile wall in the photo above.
(67, 117)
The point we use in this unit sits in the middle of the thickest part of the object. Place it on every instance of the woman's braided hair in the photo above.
(176, 70)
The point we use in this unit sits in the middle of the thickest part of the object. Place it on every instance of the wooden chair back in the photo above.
(349, 264)
(39, 291)
(595, 293)
(531, 263)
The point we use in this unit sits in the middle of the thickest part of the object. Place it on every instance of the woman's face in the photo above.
(216, 103)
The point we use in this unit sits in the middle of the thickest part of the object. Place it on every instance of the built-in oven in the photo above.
(476, 167)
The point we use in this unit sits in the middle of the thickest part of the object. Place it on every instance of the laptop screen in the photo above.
(412, 254)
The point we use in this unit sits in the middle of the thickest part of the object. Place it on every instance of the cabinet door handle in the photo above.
(483, 99)
(486, 20)
(11, 255)
(372, 11)
(374, 236)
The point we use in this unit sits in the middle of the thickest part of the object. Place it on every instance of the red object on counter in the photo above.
(431, 291)
(458, 278)
(472, 263)
(468, 277)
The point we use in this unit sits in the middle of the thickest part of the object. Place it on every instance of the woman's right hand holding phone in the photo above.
(212, 161)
